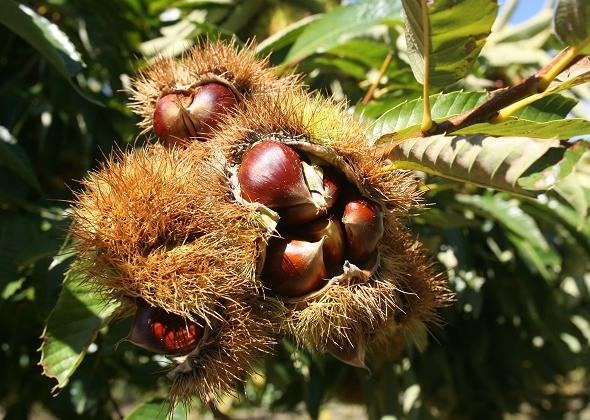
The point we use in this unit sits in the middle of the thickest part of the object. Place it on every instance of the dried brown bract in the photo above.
(227, 355)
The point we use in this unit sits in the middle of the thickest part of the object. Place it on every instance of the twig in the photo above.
(565, 61)
(386, 62)
(491, 108)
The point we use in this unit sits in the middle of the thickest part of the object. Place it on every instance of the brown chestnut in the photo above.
(329, 229)
(169, 116)
(363, 224)
(270, 174)
(159, 331)
(331, 187)
(179, 116)
(273, 174)
(294, 268)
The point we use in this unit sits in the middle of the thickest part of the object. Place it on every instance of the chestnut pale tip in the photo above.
(168, 115)
(329, 229)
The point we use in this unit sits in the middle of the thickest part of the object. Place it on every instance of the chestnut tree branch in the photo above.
(490, 109)
(566, 60)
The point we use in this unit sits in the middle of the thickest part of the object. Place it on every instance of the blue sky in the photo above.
(525, 9)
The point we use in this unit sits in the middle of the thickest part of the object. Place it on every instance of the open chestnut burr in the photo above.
(193, 114)
(284, 222)
(315, 236)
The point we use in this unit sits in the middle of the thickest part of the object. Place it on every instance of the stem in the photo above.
(386, 62)
(564, 61)
(506, 112)
(562, 64)
(490, 108)
(427, 123)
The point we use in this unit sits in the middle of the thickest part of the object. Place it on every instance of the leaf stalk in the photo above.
(545, 79)
(427, 123)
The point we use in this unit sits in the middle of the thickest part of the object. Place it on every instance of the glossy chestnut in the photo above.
(159, 331)
(330, 230)
(181, 116)
(363, 225)
(293, 267)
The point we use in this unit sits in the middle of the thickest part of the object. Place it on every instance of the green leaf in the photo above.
(522, 229)
(405, 118)
(176, 38)
(338, 65)
(485, 161)
(550, 175)
(341, 24)
(44, 36)
(166, 4)
(443, 219)
(568, 175)
(65, 252)
(409, 114)
(561, 129)
(371, 53)
(13, 157)
(520, 43)
(285, 36)
(508, 213)
(156, 409)
(11, 288)
(575, 188)
(549, 108)
(458, 30)
(314, 391)
(572, 21)
(72, 326)
(545, 262)
(577, 74)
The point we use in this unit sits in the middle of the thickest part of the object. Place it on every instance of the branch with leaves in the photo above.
(489, 144)
(501, 105)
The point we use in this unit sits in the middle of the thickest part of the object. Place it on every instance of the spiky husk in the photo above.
(403, 293)
(405, 290)
(227, 357)
(166, 225)
(245, 74)
(297, 118)
(159, 224)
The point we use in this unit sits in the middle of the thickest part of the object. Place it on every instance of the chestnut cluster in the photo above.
(323, 218)
(259, 211)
